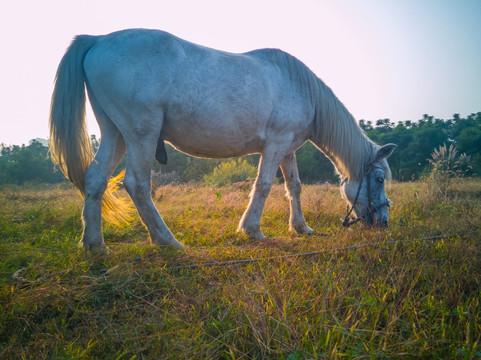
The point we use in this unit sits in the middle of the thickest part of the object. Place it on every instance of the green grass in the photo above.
(399, 295)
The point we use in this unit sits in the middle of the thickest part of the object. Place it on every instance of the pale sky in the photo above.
(396, 59)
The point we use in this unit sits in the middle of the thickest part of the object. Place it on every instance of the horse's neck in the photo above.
(340, 138)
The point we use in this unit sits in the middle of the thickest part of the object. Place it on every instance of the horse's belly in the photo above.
(216, 121)
(213, 140)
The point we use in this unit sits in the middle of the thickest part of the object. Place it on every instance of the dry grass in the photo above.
(394, 297)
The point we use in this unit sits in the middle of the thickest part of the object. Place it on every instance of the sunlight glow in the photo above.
(394, 60)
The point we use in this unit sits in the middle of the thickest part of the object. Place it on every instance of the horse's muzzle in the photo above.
(382, 223)
(374, 221)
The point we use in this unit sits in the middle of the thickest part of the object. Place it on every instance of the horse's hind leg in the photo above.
(137, 181)
(111, 150)
(293, 192)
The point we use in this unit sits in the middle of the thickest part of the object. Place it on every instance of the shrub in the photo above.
(447, 168)
(231, 172)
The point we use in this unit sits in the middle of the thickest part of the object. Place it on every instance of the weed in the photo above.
(448, 167)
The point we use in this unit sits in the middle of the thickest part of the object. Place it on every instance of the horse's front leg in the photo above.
(251, 220)
(293, 192)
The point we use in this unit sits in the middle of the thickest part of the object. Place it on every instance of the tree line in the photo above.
(416, 139)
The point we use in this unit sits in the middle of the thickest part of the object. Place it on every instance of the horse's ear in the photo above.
(384, 152)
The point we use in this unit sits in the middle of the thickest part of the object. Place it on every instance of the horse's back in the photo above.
(153, 61)
(227, 103)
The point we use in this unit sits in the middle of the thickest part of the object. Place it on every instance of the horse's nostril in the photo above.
(378, 222)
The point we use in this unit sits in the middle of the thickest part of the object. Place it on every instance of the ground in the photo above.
(410, 291)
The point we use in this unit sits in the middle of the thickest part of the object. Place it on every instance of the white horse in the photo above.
(147, 86)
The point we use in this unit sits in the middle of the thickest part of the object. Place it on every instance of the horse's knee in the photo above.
(263, 188)
(293, 188)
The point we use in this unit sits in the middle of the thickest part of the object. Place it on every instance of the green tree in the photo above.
(21, 164)
(416, 142)
(313, 165)
(467, 136)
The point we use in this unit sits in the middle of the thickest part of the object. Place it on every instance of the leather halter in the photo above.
(347, 221)
(371, 210)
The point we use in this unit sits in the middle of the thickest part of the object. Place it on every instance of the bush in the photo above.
(447, 168)
(231, 172)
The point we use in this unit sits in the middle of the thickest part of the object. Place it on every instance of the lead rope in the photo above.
(348, 222)
(299, 255)
(370, 209)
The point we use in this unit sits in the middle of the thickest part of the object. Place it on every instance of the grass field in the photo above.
(410, 291)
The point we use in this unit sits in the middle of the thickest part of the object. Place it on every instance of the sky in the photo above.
(396, 59)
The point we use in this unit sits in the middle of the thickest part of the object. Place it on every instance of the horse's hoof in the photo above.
(94, 246)
(302, 229)
(253, 234)
(170, 242)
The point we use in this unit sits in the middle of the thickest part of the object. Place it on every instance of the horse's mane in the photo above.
(335, 131)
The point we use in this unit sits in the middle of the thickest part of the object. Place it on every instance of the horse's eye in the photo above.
(380, 180)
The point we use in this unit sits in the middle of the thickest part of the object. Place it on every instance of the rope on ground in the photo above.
(299, 255)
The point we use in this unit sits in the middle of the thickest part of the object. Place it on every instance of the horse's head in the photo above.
(367, 197)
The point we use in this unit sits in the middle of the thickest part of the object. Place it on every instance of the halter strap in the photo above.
(370, 208)
(348, 222)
